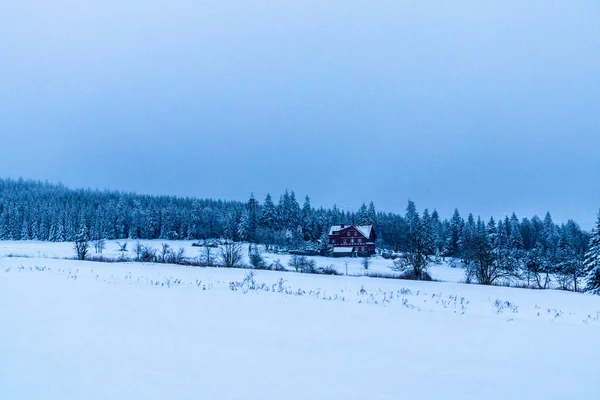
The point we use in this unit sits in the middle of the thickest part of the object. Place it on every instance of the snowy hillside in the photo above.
(38, 249)
(83, 330)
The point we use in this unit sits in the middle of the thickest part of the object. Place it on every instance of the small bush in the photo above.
(230, 254)
(366, 263)
(256, 259)
(14, 255)
(383, 275)
(328, 270)
(303, 264)
(103, 259)
(99, 245)
(277, 266)
(147, 254)
(409, 276)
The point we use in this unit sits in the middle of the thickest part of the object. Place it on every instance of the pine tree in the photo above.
(417, 256)
(252, 209)
(4, 225)
(570, 256)
(362, 215)
(25, 230)
(268, 216)
(592, 261)
(372, 215)
(456, 226)
(335, 217)
(467, 239)
(438, 232)
(427, 233)
(243, 227)
(307, 220)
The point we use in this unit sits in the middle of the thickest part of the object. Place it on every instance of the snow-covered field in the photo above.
(65, 250)
(83, 330)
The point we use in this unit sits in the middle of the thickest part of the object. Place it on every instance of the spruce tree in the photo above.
(592, 261)
(252, 212)
(307, 220)
(456, 226)
(362, 216)
(268, 216)
(371, 214)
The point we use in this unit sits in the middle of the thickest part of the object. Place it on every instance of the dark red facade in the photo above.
(353, 240)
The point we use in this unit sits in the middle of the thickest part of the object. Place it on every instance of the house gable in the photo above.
(361, 238)
(365, 231)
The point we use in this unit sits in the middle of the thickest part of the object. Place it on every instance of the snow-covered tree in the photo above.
(82, 243)
(592, 261)
(268, 215)
(417, 257)
(456, 226)
(362, 215)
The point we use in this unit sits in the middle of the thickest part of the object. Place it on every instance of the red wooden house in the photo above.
(352, 240)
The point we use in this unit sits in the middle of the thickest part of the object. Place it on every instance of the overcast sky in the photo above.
(491, 107)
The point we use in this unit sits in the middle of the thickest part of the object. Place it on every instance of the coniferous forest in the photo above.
(535, 249)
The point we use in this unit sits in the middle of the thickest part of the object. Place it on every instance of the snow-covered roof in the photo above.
(343, 249)
(336, 228)
(365, 230)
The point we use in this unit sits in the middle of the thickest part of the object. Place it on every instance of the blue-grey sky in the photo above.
(488, 106)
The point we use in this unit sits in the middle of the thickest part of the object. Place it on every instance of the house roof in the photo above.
(365, 230)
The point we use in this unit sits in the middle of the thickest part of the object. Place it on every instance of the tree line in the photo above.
(533, 251)
(537, 250)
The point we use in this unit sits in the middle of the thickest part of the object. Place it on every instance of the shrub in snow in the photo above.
(277, 266)
(410, 275)
(165, 251)
(82, 244)
(303, 264)
(256, 259)
(171, 256)
(208, 255)
(328, 270)
(230, 254)
(383, 275)
(147, 254)
(366, 263)
(99, 245)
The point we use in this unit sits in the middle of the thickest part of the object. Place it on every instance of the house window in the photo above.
(344, 241)
(352, 241)
(332, 240)
(359, 240)
(349, 233)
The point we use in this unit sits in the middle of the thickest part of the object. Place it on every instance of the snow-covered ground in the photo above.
(38, 249)
(82, 330)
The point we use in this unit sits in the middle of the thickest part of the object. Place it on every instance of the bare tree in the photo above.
(207, 257)
(366, 263)
(303, 264)
(139, 248)
(99, 245)
(230, 254)
(164, 254)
